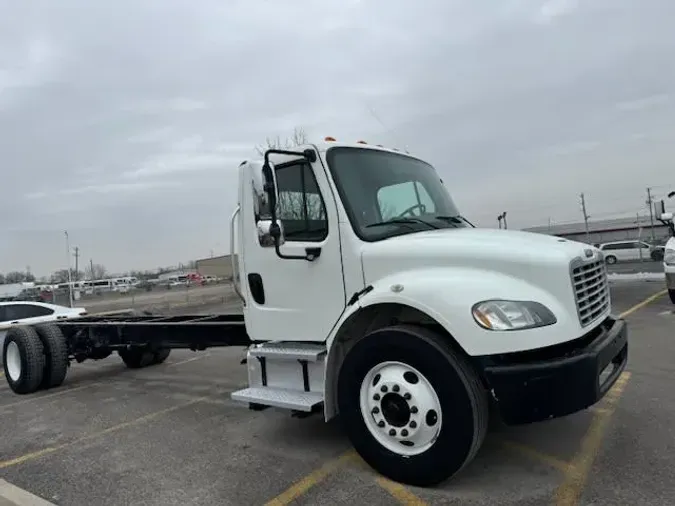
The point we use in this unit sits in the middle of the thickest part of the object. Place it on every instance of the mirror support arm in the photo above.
(275, 229)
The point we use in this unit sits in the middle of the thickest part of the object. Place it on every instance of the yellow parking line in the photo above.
(569, 492)
(312, 479)
(642, 304)
(52, 449)
(46, 396)
(399, 492)
(535, 454)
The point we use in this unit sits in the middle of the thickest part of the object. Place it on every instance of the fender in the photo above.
(447, 294)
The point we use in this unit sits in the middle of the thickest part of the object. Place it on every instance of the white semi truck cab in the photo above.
(368, 295)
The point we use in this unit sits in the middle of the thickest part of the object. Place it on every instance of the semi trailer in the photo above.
(367, 295)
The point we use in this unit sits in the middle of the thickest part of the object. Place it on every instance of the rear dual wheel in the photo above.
(35, 358)
(413, 408)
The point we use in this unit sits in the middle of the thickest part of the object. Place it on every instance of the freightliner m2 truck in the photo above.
(367, 295)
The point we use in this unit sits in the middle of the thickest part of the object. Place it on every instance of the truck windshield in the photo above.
(387, 194)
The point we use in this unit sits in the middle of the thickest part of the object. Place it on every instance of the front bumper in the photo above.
(558, 380)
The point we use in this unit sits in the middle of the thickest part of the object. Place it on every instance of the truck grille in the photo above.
(591, 290)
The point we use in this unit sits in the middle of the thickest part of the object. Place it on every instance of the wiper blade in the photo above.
(401, 221)
(455, 219)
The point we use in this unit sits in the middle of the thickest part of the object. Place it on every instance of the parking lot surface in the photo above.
(169, 435)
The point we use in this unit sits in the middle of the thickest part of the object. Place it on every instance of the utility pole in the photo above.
(70, 283)
(77, 263)
(91, 268)
(583, 209)
(650, 204)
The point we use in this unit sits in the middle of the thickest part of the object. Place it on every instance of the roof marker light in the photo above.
(329, 139)
(361, 142)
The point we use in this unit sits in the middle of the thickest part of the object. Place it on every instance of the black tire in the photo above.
(657, 255)
(671, 294)
(56, 355)
(462, 398)
(161, 355)
(136, 358)
(611, 259)
(31, 357)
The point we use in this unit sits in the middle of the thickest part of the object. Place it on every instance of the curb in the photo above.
(11, 495)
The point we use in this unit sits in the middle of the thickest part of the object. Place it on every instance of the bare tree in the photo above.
(299, 137)
(96, 271)
(294, 205)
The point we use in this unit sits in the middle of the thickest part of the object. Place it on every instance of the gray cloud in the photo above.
(124, 122)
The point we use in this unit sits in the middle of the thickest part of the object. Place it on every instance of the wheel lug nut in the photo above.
(395, 388)
(380, 423)
(376, 410)
(413, 409)
(383, 389)
(404, 433)
(407, 396)
(392, 432)
(376, 397)
(413, 424)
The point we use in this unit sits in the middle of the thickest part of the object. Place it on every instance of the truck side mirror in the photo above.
(660, 208)
(264, 202)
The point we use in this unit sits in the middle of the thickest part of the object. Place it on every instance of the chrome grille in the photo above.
(591, 290)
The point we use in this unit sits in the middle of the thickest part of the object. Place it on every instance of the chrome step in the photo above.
(279, 397)
(289, 351)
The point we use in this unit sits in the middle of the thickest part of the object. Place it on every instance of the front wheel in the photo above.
(412, 407)
(611, 260)
(671, 294)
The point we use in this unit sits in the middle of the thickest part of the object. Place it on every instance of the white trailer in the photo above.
(367, 295)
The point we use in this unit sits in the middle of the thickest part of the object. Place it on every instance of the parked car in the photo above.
(31, 312)
(630, 251)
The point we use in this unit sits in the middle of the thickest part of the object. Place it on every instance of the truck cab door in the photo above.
(297, 299)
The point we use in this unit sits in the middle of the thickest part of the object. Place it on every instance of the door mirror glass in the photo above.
(263, 186)
(261, 205)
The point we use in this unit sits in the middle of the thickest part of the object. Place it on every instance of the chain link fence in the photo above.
(156, 299)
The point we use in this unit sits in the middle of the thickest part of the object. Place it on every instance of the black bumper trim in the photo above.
(540, 390)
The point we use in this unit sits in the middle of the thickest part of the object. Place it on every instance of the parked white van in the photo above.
(626, 251)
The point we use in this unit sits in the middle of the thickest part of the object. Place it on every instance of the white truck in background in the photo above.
(669, 252)
(367, 295)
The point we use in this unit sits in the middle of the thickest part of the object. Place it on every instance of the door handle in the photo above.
(312, 253)
(13, 323)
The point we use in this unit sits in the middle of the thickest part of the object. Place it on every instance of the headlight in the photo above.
(669, 257)
(511, 315)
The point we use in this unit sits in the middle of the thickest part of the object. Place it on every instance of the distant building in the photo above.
(618, 229)
(220, 267)
(178, 272)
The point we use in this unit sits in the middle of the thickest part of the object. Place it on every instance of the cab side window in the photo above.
(300, 208)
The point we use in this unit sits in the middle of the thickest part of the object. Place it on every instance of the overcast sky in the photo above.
(124, 121)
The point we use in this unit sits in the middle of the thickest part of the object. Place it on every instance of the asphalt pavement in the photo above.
(169, 434)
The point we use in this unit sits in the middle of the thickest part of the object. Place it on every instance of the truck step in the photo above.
(280, 398)
(289, 351)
